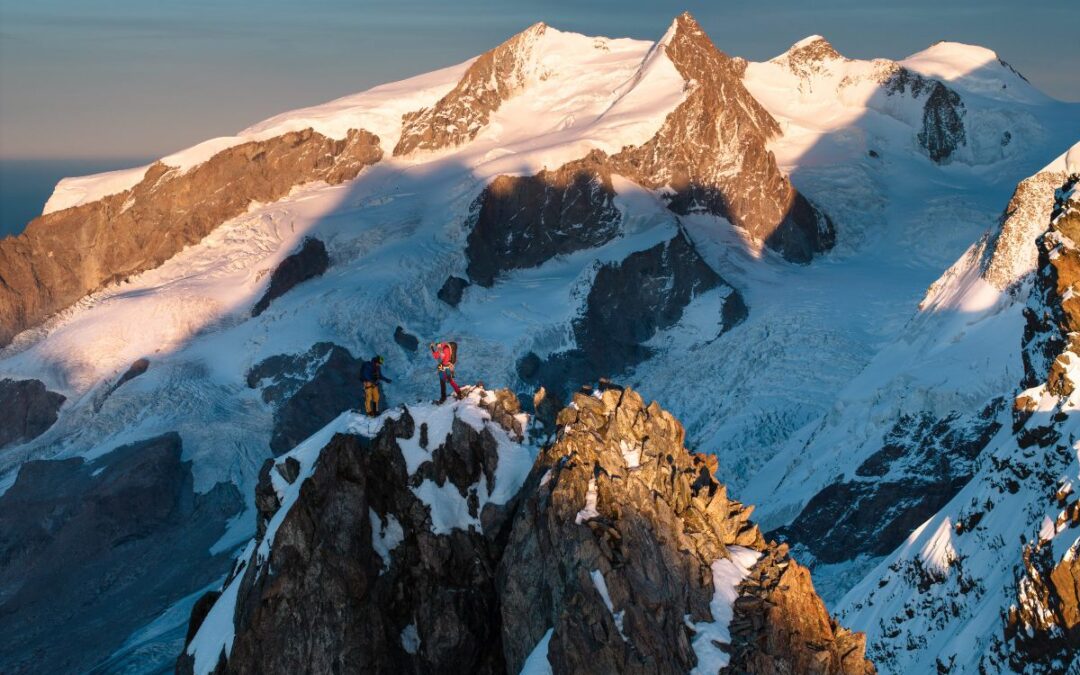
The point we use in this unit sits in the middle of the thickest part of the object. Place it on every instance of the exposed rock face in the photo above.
(65, 255)
(135, 528)
(810, 56)
(309, 262)
(618, 499)
(609, 545)
(361, 577)
(1043, 626)
(405, 340)
(522, 222)
(452, 290)
(1010, 255)
(711, 150)
(442, 585)
(777, 621)
(1054, 312)
(1004, 547)
(307, 390)
(137, 368)
(922, 465)
(457, 117)
(943, 112)
(710, 154)
(943, 125)
(27, 410)
(628, 303)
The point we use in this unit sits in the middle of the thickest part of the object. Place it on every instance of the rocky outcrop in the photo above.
(452, 290)
(365, 572)
(628, 303)
(307, 390)
(406, 340)
(943, 124)
(27, 410)
(137, 368)
(810, 57)
(922, 464)
(138, 533)
(712, 153)
(943, 131)
(493, 78)
(616, 552)
(778, 621)
(994, 566)
(1010, 256)
(1043, 626)
(1053, 314)
(309, 262)
(612, 554)
(524, 221)
(65, 255)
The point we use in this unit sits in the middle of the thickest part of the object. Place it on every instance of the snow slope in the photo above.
(964, 590)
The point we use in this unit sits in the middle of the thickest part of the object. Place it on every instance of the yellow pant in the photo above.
(371, 398)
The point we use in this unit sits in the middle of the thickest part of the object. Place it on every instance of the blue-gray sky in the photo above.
(125, 78)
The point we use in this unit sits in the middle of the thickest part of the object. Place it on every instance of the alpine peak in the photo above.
(814, 47)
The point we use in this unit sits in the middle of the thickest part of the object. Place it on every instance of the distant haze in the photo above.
(122, 78)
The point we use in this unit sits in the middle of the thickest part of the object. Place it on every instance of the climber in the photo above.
(371, 375)
(445, 354)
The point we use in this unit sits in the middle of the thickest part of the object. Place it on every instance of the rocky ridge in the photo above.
(1009, 538)
(64, 255)
(495, 76)
(614, 551)
(711, 153)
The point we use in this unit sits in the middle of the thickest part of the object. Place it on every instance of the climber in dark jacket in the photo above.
(443, 354)
(371, 375)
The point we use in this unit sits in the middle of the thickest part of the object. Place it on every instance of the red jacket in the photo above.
(442, 354)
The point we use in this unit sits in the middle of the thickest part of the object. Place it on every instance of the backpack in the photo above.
(453, 353)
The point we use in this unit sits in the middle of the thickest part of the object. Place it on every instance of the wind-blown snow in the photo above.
(727, 574)
(938, 554)
(973, 69)
(1068, 162)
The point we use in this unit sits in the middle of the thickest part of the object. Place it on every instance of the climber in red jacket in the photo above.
(445, 354)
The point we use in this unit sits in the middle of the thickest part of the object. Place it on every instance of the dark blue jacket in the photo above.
(371, 372)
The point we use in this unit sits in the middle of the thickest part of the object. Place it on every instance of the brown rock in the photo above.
(456, 118)
(65, 255)
(712, 150)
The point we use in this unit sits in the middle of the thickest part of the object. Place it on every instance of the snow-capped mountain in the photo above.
(749, 243)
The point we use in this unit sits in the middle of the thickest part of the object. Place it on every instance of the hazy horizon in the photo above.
(132, 80)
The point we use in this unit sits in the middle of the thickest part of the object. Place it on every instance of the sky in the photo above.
(143, 78)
